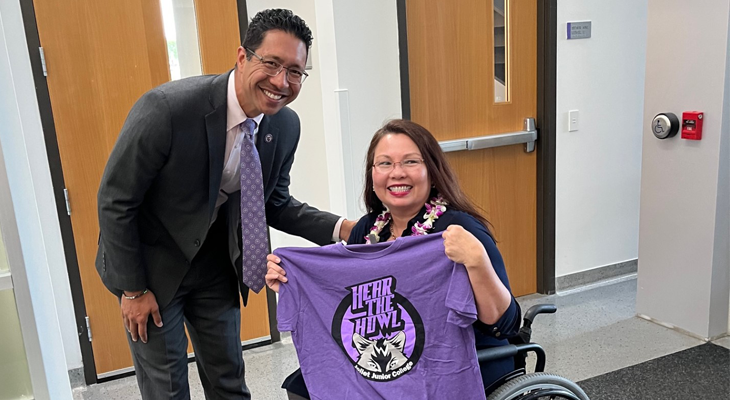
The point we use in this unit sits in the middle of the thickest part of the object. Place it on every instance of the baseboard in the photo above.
(567, 282)
(76, 377)
(682, 331)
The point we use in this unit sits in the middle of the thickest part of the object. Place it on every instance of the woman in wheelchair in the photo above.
(410, 189)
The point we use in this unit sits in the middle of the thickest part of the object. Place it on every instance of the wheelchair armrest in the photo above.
(511, 350)
(496, 353)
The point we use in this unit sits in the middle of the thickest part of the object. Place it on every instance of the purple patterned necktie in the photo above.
(253, 216)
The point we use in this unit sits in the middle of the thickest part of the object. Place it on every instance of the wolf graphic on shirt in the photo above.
(381, 355)
(379, 330)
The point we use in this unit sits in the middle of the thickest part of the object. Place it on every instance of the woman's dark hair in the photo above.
(275, 19)
(440, 172)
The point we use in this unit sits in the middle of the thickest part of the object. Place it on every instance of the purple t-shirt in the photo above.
(390, 320)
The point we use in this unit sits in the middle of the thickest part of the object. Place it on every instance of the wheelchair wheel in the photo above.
(539, 385)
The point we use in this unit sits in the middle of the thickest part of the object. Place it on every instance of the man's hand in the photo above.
(346, 228)
(274, 273)
(136, 312)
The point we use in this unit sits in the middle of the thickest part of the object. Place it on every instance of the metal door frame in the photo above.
(54, 164)
(546, 124)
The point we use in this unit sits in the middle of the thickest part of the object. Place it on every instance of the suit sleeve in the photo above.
(140, 152)
(287, 214)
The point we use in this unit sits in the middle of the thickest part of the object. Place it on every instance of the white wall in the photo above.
(599, 166)
(34, 248)
(723, 180)
(369, 69)
(685, 212)
(722, 229)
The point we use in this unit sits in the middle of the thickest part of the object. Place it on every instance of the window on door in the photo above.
(181, 33)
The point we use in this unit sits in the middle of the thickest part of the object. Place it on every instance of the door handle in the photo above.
(528, 136)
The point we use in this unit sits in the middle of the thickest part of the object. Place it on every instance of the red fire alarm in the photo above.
(692, 125)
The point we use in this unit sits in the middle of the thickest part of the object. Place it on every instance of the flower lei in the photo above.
(435, 208)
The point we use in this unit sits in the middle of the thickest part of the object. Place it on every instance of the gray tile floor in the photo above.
(595, 331)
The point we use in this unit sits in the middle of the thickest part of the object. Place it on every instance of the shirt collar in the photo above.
(235, 115)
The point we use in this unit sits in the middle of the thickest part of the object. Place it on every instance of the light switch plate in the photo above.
(572, 120)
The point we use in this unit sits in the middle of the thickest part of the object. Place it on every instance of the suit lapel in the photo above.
(266, 140)
(215, 126)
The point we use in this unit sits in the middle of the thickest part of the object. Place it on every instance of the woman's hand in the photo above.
(274, 273)
(490, 295)
(464, 248)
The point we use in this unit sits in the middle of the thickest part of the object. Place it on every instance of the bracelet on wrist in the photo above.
(136, 296)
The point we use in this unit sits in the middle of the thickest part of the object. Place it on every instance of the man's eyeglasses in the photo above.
(385, 167)
(273, 68)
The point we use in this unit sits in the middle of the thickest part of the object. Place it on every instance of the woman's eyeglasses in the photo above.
(385, 167)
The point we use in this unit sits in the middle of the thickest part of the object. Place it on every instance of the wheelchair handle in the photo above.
(538, 309)
(525, 333)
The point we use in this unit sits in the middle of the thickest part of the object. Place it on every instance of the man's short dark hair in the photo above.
(275, 19)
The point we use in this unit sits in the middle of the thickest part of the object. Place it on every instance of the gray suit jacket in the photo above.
(158, 192)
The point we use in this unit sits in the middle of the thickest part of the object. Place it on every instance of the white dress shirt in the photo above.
(231, 179)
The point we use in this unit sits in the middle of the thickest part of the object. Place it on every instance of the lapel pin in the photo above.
(268, 138)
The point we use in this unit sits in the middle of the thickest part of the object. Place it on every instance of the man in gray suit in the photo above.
(170, 242)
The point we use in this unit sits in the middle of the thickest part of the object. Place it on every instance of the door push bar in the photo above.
(528, 136)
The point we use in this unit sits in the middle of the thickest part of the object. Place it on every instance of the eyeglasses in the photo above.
(273, 68)
(385, 167)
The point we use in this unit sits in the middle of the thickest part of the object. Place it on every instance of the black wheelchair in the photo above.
(519, 384)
